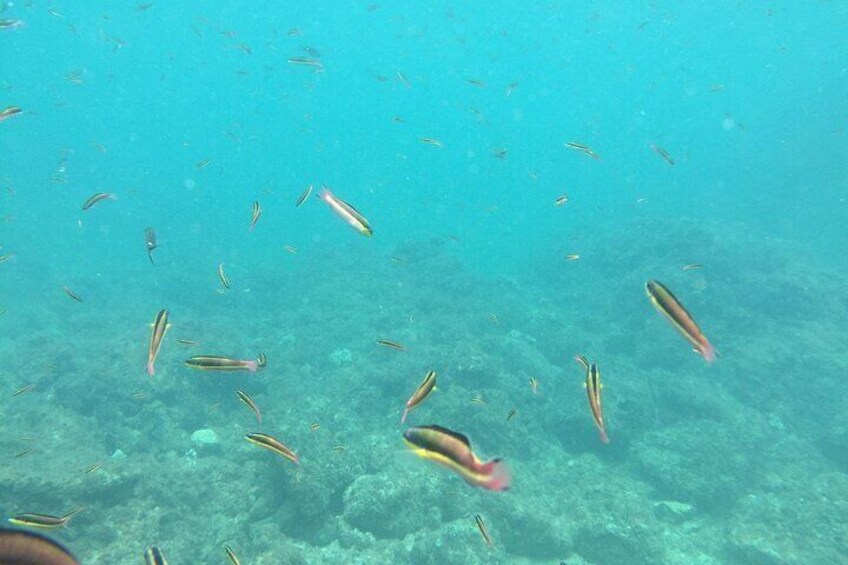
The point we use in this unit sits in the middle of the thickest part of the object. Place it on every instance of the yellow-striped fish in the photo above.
(160, 326)
(231, 555)
(225, 282)
(217, 363)
(9, 112)
(534, 385)
(453, 450)
(154, 556)
(424, 389)
(273, 444)
(256, 213)
(346, 212)
(98, 197)
(593, 390)
(44, 521)
(248, 401)
(667, 305)
(303, 196)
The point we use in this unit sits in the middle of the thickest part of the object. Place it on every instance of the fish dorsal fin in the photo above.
(453, 434)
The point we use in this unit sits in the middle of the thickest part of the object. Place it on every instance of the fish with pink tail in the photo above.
(453, 450)
(668, 305)
(159, 327)
(217, 363)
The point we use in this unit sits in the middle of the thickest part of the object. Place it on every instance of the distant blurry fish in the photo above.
(478, 399)
(256, 213)
(314, 426)
(691, 267)
(24, 453)
(477, 82)
(93, 468)
(44, 521)
(231, 555)
(667, 305)
(424, 389)
(273, 444)
(391, 344)
(72, 294)
(663, 153)
(534, 385)
(511, 415)
(189, 342)
(346, 212)
(572, 257)
(311, 52)
(291, 249)
(22, 547)
(9, 112)
(561, 200)
(98, 197)
(10, 24)
(248, 401)
(150, 240)
(583, 148)
(305, 61)
(203, 163)
(160, 326)
(154, 556)
(225, 282)
(431, 141)
(481, 525)
(216, 363)
(593, 390)
(23, 390)
(511, 87)
(303, 196)
(402, 78)
(499, 153)
(453, 450)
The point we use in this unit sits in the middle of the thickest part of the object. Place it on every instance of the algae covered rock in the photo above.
(388, 507)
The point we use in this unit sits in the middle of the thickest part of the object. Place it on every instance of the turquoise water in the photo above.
(744, 460)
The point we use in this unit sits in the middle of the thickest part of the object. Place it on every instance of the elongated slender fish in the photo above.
(23, 390)
(346, 212)
(273, 444)
(593, 390)
(663, 153)
(424, 389)
(44, 521)
(256, 213)
(217, 363)
(150, 240)
(583, 148)
(303, 196)
(98, 197)
(22, 547)
(453, 450)
(160, 326)
(667, 305)
(9, 112)
(225, 282)
(72, 294)
(391, 344)
(231, 555)
(481, 525)
(248, 401)
(154, 556)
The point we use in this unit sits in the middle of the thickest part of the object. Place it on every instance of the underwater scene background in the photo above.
(708, 152)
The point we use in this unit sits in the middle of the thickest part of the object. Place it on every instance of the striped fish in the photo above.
(154, 556)
(453, 450)
(346, 212)
(217, 363)
(98, 197)
(160, 326)
(44, 521)
(256, 213)
(667, 305)
(593, 390)
(273, 444)
(424, 389)
(248, 401)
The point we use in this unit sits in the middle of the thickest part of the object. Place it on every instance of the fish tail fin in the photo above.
(150, 369)
(252, 366)
(499, 475)
(604, 436)
(709, 352)
(405, 413)
(73, 513)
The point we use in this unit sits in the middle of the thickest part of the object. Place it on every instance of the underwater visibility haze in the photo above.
(424, 282)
